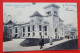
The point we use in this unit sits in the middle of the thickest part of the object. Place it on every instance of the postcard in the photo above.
(39, 26)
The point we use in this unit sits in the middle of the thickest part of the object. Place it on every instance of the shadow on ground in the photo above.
(70, 45)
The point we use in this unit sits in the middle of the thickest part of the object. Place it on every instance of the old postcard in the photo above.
(39, 26)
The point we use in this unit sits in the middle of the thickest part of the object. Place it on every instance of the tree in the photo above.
(6, 32)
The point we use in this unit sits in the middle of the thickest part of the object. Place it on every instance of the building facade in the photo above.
(56, 23)
(70, 31)
(38, 26)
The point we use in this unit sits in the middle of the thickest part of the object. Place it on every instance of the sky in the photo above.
(21, 12)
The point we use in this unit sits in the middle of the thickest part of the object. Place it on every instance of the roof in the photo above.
(59, 18)
(37, 14)
(10, 22)
(27, 23)
(21, 24)
(52, 5)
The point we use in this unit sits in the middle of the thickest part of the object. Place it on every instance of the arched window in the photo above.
(33, 27)
(28, 28)
(56, 30)
(39, 27)
(23, 29)
(15, 29)
(45, 28)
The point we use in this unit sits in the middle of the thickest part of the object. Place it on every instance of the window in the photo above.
(15, 35)
(15, 29)
(45, 28)
(33, 34)
(23, 35)
(33, 27)
(55, 13)
(23, 29)
(55, 36)
(58, 36)
(45, 33)
(49, 12)
(40, 33)
(28, 28)
(28, 34)
(39, 27)
(56, 30)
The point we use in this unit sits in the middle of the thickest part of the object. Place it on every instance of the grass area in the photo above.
(34, 41)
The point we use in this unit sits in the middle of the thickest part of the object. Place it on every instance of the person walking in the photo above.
(41, 42)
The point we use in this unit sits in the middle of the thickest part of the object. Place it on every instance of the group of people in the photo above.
(41, 42)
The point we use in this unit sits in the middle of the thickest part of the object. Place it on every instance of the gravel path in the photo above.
(14, 45)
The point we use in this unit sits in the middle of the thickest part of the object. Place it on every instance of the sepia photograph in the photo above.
(39, 26)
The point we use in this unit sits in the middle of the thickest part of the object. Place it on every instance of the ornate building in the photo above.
(56, 23)
(39, 26)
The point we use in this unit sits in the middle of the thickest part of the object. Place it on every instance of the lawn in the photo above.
(34, 41)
